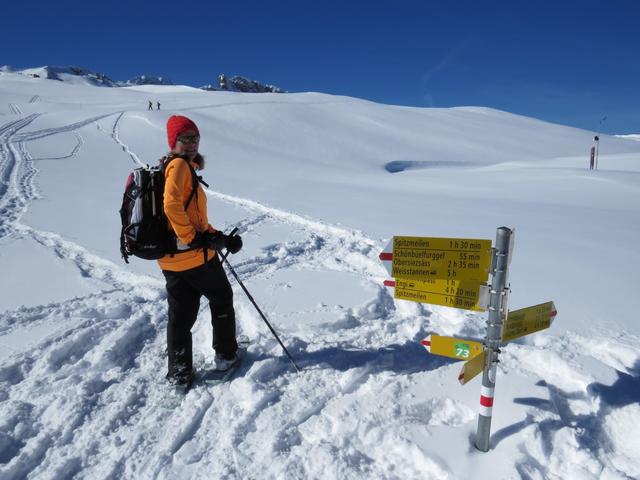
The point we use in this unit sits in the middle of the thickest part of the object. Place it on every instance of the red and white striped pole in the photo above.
(486, 401)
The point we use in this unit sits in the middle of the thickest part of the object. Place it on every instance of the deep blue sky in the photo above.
(570, 62)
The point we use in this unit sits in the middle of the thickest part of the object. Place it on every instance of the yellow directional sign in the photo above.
(528, 320)
(458, 348)
(472, 368)
(465, 294)
(422, 258)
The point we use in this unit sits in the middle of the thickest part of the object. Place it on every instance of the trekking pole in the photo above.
(233, 272)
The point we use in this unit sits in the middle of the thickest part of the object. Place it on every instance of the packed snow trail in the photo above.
(110, 350)
(98, 413)
(107, 338)
(117, 343)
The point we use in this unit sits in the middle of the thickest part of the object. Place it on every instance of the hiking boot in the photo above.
(225, 362)
(181, 381)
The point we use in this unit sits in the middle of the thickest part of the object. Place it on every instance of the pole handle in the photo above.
(224, 257)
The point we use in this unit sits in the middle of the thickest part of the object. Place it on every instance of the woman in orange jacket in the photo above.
(196, 269)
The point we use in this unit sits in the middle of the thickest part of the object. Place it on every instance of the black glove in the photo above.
(233, 243)
(197, 241)
(213, 240)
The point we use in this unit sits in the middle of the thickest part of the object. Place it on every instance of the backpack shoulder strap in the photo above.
(194, 184)
(195, 178)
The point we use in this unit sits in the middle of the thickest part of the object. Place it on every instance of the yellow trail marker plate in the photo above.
(528, 320)
(465, 294)
(472, 368)
(458, 348)
(422, 258)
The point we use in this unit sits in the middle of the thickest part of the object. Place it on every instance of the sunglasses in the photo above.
(186, 139)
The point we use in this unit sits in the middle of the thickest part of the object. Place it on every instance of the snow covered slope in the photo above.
(317, 185)
(634, 136)
(73, 75)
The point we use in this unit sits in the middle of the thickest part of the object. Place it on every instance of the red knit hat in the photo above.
(176, 125)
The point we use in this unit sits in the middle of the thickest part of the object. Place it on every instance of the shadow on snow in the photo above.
(588, 427)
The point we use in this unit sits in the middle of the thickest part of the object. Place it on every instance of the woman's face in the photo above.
(187, 144)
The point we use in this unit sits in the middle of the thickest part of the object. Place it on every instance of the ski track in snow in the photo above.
(73, 153)
(16, 175)
(16, 166)
(125, 148)
(47, 132)
(110, 355)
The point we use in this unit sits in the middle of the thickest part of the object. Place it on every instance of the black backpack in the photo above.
(145, 229)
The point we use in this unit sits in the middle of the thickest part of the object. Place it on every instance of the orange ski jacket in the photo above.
(185, 223)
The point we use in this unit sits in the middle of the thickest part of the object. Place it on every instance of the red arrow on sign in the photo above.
(386, 256)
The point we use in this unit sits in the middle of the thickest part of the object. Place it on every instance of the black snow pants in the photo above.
(184, 291)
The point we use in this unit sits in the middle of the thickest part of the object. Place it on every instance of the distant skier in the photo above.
(197, 270)
(157, 105)
(150, 105)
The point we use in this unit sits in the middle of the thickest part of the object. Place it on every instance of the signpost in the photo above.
(424, 258)
(452, 347)
(465, 294)
(472, 368)
(528, 320)
(453, 272)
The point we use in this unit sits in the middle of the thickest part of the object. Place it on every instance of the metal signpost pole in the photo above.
(497, 310)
